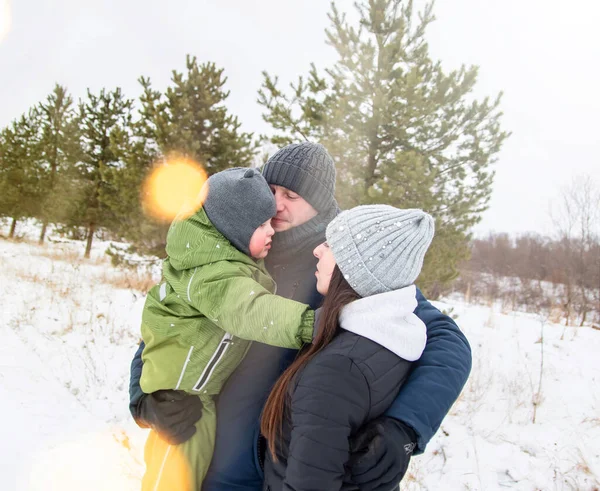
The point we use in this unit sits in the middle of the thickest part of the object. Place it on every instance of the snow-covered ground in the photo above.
(70, 328)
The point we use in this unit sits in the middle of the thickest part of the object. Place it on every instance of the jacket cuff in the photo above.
(413, 434)
(135, 409)
(308, 327)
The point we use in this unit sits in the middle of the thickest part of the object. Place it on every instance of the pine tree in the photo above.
(20, 170)
(146, 235)
(400, 129)
(191, 120)
(59, 147)
(104, 125)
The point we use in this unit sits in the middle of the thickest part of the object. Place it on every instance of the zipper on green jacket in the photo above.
(212, 364)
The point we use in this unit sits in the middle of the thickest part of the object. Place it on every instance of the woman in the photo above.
(367, 338)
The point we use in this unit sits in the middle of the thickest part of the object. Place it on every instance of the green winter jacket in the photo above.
(214, 300)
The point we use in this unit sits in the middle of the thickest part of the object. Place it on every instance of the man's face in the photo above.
(292, 209)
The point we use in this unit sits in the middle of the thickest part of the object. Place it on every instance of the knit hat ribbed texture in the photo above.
(304, 168)
(380, 248)
(239, 201)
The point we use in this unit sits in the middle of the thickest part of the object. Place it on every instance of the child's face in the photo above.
(260, 242)
(325, 267)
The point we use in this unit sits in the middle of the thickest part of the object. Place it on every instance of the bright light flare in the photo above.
(174, 189)
(92, 461)
(5, 19)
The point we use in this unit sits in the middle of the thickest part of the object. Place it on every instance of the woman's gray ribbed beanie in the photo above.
(380, 248)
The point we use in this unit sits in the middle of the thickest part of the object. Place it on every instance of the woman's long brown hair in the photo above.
(340, 293)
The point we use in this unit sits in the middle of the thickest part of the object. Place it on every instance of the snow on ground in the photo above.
(68, 336)
(70, 327)
(489, 440)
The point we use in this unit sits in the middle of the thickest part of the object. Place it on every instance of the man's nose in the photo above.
(279, 204)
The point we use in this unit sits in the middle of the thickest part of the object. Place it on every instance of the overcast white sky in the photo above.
(544, 54)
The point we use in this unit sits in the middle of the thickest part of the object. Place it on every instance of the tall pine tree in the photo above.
(190, 119)
(105, 121)
(60, 150)
(146, 235)
(400, 129)
(21, 174)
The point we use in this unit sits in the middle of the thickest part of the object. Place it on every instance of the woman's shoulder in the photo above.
(354, 363)
(370, 357)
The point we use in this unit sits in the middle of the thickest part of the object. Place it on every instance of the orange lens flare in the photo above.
(174, 189)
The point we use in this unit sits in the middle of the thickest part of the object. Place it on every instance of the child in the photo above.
(215, 298)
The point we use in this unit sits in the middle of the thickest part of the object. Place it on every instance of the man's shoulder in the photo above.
(431, 315)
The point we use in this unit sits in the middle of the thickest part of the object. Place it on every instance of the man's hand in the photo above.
(380, 454)
(171, 413)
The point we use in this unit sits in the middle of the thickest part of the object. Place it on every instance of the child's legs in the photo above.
(181, 467)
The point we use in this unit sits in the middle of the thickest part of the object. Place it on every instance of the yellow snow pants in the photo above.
(181, 467)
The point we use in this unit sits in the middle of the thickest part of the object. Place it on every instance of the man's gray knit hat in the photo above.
(238, 202)
(380, 248)
(304, 168)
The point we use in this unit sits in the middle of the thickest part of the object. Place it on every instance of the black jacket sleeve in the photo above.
(135, 391)
(330, 401)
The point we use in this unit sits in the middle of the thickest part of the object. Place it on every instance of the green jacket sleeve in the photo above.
(226, 294)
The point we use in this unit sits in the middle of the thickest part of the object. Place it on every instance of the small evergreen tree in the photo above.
(400, 129)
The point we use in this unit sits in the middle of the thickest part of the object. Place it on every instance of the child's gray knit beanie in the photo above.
(238, 202)
(380, 248)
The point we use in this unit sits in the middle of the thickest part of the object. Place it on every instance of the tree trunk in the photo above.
(13, 226)
(90, 237)
(374, 142)
(43, 232)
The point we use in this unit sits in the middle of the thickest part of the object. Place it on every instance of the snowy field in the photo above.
(70, 327)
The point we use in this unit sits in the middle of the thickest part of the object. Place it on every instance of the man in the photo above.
(302, 178)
